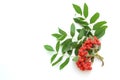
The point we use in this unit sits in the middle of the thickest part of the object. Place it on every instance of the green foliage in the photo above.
(67, 44)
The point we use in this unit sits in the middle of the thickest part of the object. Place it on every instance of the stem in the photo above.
(100, 58)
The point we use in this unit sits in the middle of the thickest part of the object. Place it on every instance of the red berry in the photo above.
(81, 59)
(89, 68)
(84, 63)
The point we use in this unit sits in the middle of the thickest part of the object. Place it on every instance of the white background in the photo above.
(26, 25)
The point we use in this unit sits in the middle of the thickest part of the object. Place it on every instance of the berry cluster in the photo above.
(84, 62)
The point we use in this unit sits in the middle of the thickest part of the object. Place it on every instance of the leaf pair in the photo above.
(56, 62)
(59, 60)
(57, 49)
(79, 10)
(61, 35)
(64, 63)
(100, 28)
(50, 48)
(100, 32)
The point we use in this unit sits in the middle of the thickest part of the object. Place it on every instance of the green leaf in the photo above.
(74, 44)
(77, 20)
(100, 32)
(81, 34)
(77, 48)
(75, 59)
(77, 9)
(48, 48)
(76, 51)
(67, 44)
(67, 41)
(53, 57)
(67, 47)
(94, 18)
(57, 46)
(98, 25)
(81, 18)
(78, 30)
(72, 30)
(60, 58)
(80, 21)
(85, 10)
(64, 63)
(56, 35)
(62, 37)
(62, 32)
